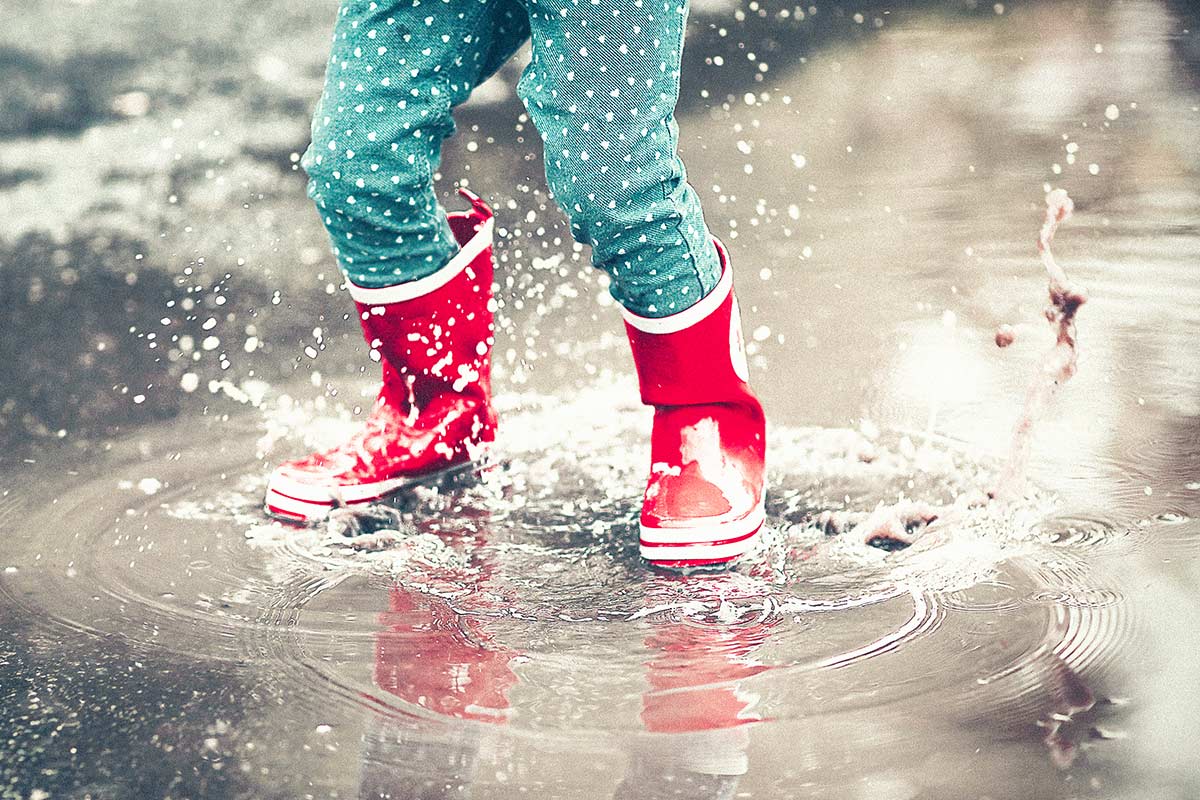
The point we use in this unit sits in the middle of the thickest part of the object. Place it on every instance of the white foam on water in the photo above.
(574, 466)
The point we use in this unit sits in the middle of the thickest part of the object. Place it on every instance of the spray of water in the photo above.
(897, 525)
(1058, 365)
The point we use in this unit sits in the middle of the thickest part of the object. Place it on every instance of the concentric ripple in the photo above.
(528, 582)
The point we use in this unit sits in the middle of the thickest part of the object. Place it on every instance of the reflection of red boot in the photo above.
(693, 677)
(697, 703)
(704, 500)
(431, 657)
(428, 656)
(434, 413)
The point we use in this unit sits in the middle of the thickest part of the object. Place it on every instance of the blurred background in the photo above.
(172, 322)
(149, 150)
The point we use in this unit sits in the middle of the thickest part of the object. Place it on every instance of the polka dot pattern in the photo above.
(601, 88)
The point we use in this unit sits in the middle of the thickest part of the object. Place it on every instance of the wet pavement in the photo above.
(173, 326)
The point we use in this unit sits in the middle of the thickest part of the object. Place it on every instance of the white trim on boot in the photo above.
(705, 530)
(481, 241)
(690, 316)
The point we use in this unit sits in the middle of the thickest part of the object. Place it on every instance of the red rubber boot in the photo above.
(434, 414)
(703, 505)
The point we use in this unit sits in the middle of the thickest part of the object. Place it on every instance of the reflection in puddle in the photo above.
(478, 620)
(475, 629)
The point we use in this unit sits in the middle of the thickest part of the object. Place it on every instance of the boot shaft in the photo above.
(435, 335)
(696, 357)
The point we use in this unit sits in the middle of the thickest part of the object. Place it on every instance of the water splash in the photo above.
(896, 526)
(1058, 365)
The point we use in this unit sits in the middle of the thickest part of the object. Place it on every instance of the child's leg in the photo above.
(602, 89)
(395, 72)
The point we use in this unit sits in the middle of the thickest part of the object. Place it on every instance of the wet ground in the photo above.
(173, 326)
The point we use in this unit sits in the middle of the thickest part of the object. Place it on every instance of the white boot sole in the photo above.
(705, 542)
(295, 501)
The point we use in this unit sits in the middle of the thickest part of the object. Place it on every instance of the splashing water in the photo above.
(889, 526)
(1058, 365)
(897, 526)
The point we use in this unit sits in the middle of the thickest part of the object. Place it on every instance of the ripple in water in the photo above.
(467, 617)
(533, 571)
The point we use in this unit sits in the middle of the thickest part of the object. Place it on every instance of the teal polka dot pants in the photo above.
(601, 89)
